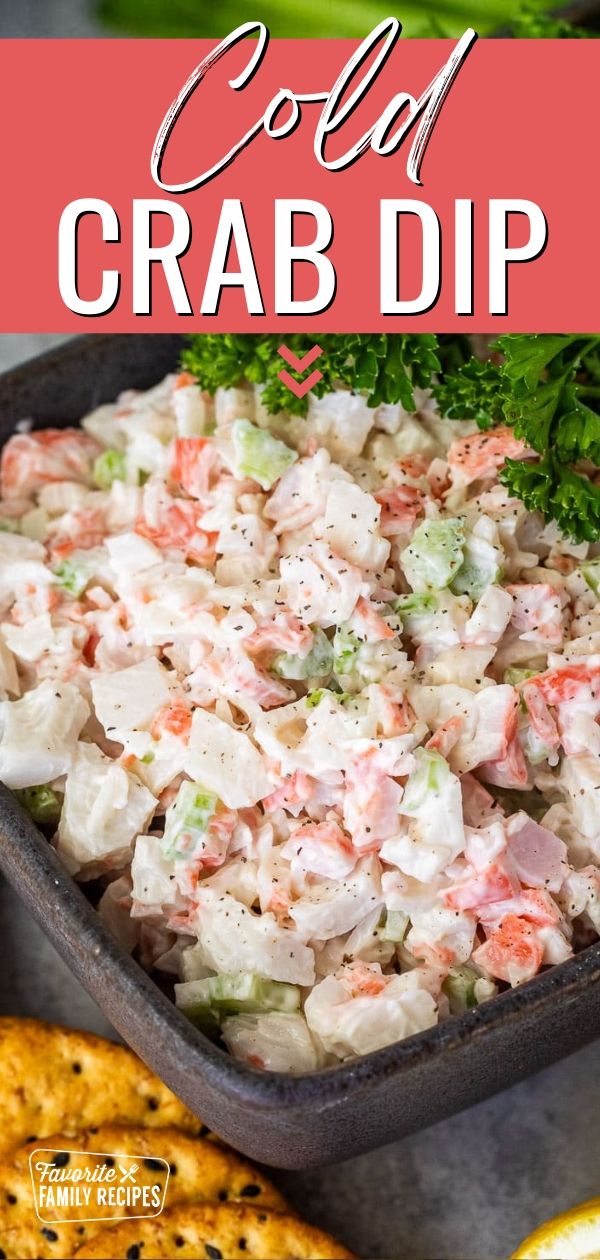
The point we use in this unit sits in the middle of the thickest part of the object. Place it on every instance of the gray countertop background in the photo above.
(468, 1189)
(44, 19)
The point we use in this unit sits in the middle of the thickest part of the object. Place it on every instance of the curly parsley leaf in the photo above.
(560, 494)
(547, 387)
(578, 432)
(474, 392)
(528, 355)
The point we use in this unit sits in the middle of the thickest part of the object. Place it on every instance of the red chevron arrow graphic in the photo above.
(299, 388)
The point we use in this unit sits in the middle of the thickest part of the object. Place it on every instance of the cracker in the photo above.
(214, 1231)
(199, 1170)
(56, 1079)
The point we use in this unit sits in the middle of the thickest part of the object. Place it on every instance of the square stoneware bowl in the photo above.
(292, 1122)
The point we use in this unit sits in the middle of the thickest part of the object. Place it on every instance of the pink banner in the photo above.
(426, 185)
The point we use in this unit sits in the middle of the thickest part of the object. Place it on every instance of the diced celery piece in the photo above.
(42, 804)
(434, 554)
(459, 987)
(73, 578)
(198, 1013)
(8, 525)
(591, 573)
(414, 610)
(419, 605)
(236, 991)
(209, 1001)
(108, 467)
(192, 965)
(259, 455)
(317, 664)
(431, 773)
(473, 579)
(346, 646)
(536, 751)
(314, 697)
(188, 816)
(482, 566)
(514, 676)
(394, 927)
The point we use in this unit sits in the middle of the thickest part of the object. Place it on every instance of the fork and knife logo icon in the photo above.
(128, 1174)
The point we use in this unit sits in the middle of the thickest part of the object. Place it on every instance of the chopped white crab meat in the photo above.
(230, 404)
(580, 896)
(105, 808)
(31, 460)
(490, 617)
(351, 527)
(486, 720)
(332, 735)
(130, 554)
(234, 938)
(129, 699)
(153, 875)
(465, 666)
(580, 781)
(226, 761)
(434, 836)
(40, 637)
(441, 936)
(39, 733)
(320, 586)
(10, 686)
(360, 1009)
(276, 1041)
(246, 549)
(300, 496)
(537, 613)
(320, 849)
(21, 567)
(191, 409)
(341, 422)
(331, 907)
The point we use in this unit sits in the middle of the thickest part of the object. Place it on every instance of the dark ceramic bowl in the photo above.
(288, 1121)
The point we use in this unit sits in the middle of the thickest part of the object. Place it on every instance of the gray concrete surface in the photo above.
(43, 19)
(14, 347)
(468, 1189)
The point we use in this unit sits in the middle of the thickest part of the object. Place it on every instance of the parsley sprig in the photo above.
(385, 367)
(547, 387)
